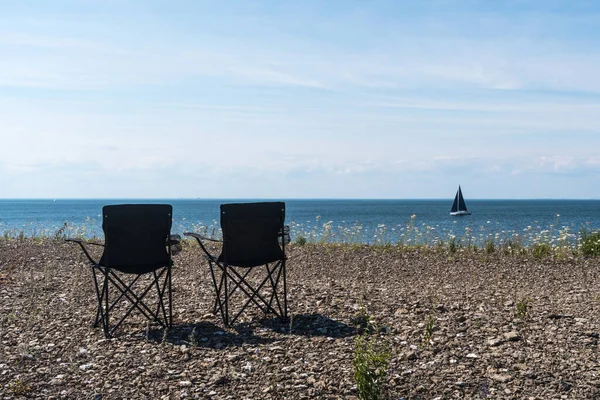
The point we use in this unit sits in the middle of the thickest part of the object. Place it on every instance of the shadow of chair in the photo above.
(311, 325)
(205, 334)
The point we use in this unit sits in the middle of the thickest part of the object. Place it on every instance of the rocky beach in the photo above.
(459, 324)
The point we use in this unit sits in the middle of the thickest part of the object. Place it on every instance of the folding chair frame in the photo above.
(227, 279)
(103, 277)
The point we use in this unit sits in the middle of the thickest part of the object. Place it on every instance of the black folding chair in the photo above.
(137, 242)
(254, 236)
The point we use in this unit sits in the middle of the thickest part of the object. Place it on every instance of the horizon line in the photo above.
(290, 198)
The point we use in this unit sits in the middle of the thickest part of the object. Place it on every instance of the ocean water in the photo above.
(362, 221)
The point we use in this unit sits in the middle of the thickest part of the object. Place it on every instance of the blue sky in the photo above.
(299, 99)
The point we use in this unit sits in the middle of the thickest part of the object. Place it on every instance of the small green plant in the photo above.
(490, 247)
(512, 246)
(453, 244)
(541, 250)
(522, 308)
(371, 360)
(429, 328)
(18, 387)
(12, 317)
(300, 241)
(590, 243)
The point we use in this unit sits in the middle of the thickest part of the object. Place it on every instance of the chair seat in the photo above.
(249, 263)
(134, 269)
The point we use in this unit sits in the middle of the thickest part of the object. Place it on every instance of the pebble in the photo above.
(512, 336)
(501, 377)
(314, 359)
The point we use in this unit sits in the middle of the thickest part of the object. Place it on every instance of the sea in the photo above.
(332, 220)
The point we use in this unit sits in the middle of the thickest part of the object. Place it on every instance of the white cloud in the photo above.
(427, 98)
(557, 163)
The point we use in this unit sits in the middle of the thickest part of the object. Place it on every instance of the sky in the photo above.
(299, 99)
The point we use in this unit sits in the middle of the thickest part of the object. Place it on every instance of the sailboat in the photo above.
(459, 207)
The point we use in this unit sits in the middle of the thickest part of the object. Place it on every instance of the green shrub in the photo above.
(590, 243)
(541, 250)
(300, 241)
(512, 246)
(490, 247)
(371, 360)
(453, 244)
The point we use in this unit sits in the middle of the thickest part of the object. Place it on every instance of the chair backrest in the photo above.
(135, 237)
(252, 233)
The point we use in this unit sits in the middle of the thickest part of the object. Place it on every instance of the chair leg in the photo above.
(218, 304)
(161, 305)
(137, 301)
(167, 317)
(285, 305)
(237, 281)
(127, 293)
(107, 309)
(170, 299)
(253, 293)
(231, 280)
(99, 299)
(280, 269)
(102, 297)
(227, 322)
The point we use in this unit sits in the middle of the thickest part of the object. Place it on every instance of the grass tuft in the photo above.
(523, 308)
(429, 328)
(18, 387)
(590, 243)
(300, 241)
(541, 250)
(371, 361)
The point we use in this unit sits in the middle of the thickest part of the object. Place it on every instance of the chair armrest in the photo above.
(200, 239)
(285, 234)
(174, 243)
(82, 243)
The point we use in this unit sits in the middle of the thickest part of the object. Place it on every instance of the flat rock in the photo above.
(503, 378)
(512, 336)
